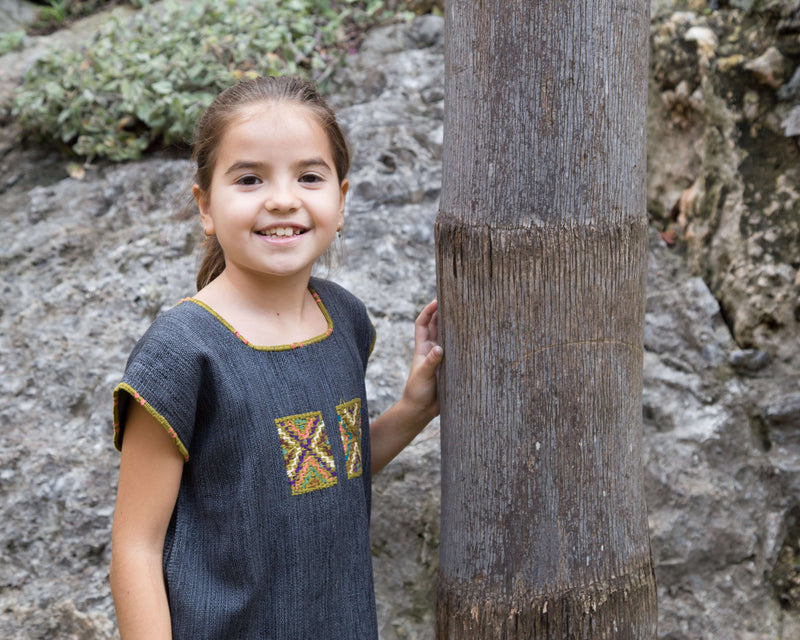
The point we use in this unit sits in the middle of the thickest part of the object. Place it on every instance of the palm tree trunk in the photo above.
(542, 249)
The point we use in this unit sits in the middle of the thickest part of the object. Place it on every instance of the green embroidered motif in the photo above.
(349, 418)
(306, 452)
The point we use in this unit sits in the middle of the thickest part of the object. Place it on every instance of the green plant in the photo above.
(10, 41)
(52, 16)
(144, 82)
(56, 10)
(57, 13)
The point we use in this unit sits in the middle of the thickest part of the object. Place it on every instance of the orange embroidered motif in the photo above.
(306, 452)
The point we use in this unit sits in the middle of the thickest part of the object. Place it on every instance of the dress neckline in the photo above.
(282, 347)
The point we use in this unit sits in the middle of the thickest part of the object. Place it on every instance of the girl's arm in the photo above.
(149, 478)
(419, 403)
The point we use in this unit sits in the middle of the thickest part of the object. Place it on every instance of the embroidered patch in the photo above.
(349, 418)
(306, 452)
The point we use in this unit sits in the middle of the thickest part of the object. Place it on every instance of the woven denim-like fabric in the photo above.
(244, 556)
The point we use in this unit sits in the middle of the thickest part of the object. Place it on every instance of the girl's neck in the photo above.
(266, 311)
(284, 295)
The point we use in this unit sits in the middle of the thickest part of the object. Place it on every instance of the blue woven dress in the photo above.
(269, 538)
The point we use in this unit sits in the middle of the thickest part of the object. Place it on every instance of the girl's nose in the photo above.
(281, 198)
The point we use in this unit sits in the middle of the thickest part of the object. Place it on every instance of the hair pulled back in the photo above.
(225, 109)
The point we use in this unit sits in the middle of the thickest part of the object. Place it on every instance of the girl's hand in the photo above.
(392, 431)
(420, 390)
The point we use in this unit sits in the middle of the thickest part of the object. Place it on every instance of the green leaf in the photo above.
(162, 87)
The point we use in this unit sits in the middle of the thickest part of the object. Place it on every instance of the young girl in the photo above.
(244, 489)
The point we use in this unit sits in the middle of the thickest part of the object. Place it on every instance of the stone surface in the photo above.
(720, 508)
(791, 123)
(725, 167)
(770, 68)
(16, 14)
(791, 90)
(87, 264)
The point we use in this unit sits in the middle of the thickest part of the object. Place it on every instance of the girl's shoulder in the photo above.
(182, 318)
(336, 298)
(348, 310)
(184, 327)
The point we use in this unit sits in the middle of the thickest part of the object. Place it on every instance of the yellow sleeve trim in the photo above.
(159, 418)
(374, 338)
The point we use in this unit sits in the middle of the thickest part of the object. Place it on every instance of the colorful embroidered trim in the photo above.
(306, 452)
(374, 338)
(282, 347)
(123, 386)
(349, 417)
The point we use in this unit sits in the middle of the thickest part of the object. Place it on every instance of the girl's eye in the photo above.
(248, 180)
(310, 178)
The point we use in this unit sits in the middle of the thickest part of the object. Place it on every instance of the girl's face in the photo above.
(275, 201)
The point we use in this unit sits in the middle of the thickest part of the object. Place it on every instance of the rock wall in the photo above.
(87, 263)
(725, 97)
(722, 395)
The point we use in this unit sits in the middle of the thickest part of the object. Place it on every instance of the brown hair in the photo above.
(225, 109)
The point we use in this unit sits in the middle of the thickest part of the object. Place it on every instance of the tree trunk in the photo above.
(542, 250)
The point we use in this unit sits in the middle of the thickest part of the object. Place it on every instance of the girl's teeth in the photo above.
(281, 231)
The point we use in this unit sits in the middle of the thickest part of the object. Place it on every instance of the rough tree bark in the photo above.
(541, 248)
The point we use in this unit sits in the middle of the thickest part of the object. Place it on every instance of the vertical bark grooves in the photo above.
(541, 257)
(542, 488)
(542, 97)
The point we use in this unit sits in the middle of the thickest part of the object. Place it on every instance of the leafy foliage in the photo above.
(55, 13)
(11, 40)
(144, 81)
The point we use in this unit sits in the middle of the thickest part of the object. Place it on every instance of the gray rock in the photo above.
(16, 14)
(791, 90)
(785, 413)
(717, 518)
(426, 31)
(770, 68)
(746, 5)
(749, 359)
(726, 173)
(791, 124)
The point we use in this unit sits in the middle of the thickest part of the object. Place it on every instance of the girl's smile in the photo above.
(281, 232)
(275, 202)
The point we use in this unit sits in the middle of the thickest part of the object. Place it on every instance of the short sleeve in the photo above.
(350, 312)
(365, 331)
(163, 374)
(373, 336)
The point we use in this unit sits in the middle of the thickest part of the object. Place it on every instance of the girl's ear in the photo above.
(201, 198)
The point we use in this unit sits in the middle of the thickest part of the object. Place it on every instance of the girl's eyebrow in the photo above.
(313, 162)
(242, 165)
(245, 165)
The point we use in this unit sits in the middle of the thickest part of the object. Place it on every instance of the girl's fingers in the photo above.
(426, 326)
(431, 360)
(435, 356)
(427, 313)
(433, 327)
